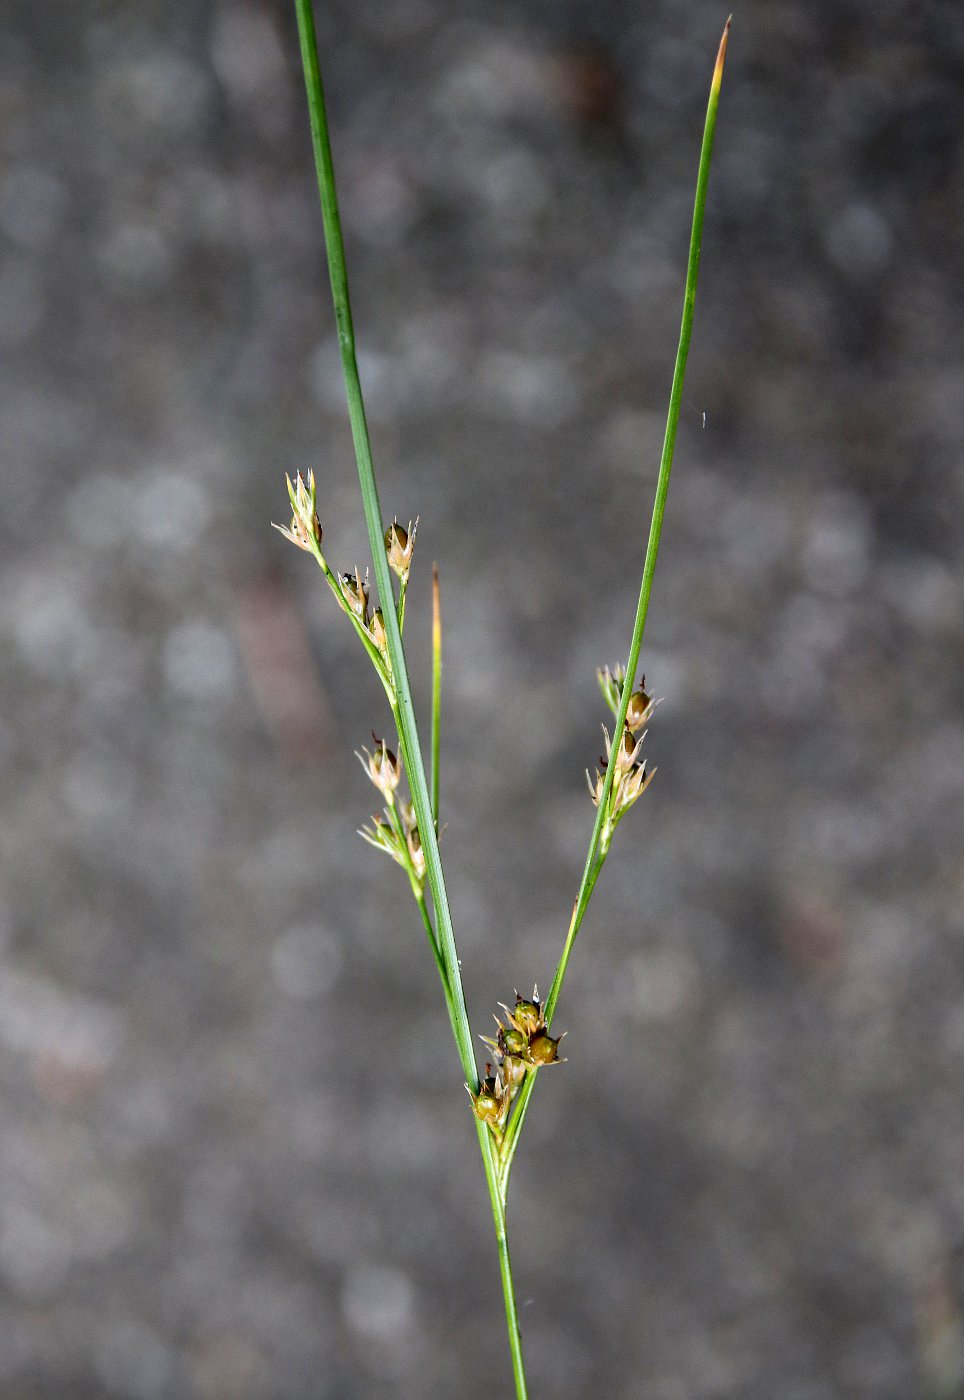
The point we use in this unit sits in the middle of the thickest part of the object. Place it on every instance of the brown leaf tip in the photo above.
(721, 55)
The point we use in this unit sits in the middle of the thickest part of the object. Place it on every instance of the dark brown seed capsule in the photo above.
(639, 709)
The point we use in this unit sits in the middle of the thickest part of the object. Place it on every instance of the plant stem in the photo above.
(593, 862)
(405, 714)
(436, 688)
(659, 505)
(497, 1197)
(439, 960)
(408, 731)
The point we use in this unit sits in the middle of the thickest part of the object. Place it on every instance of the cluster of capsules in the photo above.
(631, 776)
(351, 590)
(393, 830)
(521, 1046)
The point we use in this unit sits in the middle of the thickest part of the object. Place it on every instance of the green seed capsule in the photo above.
(526, 1015)
(512, 1041)
(543, 1049)
(396, 534)
(487, 1106)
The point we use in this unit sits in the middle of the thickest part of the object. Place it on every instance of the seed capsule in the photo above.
(527, 1015)
(512, 1041)
(376, 627)
(639, 710)
(491, 1103)
(356, 595)
(543, 1049)
(400, 546)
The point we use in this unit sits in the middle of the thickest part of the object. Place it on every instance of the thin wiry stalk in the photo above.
(436, 688)
(408, 732)
(594, 860)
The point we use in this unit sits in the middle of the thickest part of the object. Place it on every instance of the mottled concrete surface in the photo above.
(236, 1161)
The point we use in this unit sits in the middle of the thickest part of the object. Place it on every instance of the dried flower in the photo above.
(382, 836)
(415, 851)
(376, 627)
(400, 546)
(305, 528)
(611, 685)
(626, 754)
(631, 788)
(596, 788)
(514, 1070)
(355, 592)
(382, 767)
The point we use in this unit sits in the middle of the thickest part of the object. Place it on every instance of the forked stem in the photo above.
(497, 1159)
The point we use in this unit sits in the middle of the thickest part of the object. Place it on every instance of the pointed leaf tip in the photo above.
(721, 55)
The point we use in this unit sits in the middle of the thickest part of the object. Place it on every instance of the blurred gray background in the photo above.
(236, 1160)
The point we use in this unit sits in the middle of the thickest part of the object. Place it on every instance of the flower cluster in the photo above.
(351, 590)
(631, 776)
(394, 830)
(522, 1045)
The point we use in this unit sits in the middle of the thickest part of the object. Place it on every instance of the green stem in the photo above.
(659, 506)
(514, 1127)
(439, 960)
(490, 1161)
(593, 863)
(408, 732)
(436, 688)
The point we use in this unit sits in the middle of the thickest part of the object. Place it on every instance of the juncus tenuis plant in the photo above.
(407, 826)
